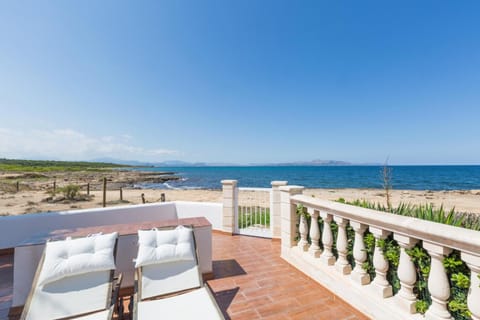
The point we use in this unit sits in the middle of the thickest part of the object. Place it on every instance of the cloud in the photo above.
(68, 144)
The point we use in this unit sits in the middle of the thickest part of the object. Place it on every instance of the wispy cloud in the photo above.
(67, 144)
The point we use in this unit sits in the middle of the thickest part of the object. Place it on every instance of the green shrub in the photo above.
(71, 191)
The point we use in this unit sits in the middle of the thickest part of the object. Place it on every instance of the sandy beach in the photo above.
(31, 201)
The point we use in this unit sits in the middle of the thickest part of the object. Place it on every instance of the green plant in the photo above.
(421, 260)
(70, 191)
(249, 216)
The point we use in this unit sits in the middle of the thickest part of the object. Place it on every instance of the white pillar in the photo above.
(380, 282)
(275, 207)
(359, 254)
(303, 230)
(288, 216)
(314, 248)
(230, 205)
(327, 256)
(342, 264)
(406, 273)
(473, 298)
(438, 283)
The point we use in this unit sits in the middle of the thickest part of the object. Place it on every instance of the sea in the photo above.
(451, 177)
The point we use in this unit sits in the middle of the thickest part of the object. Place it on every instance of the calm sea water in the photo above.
(403, 177)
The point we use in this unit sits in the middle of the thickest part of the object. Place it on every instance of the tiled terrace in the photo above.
(251, 282)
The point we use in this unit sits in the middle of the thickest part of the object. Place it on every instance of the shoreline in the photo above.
(32, 201)
(35, 192)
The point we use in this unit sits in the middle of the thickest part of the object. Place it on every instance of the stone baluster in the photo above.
(303, 230)
(327, 256)
(473, 298)
(438, 284)
(380, 282)
(359, 254)
(314, 248)
(342, 264)
(406, 273)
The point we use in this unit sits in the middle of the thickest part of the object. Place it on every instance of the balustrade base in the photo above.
(433, 315)
(382, 291)
(343, 268)
(303, 247)
(407, 304)
(328, 261)
(360, 297)
(361, 278)
(314, 252)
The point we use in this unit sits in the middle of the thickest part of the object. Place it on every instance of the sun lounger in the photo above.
(168, 282)
(75, 280)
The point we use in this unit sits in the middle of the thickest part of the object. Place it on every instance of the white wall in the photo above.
(16, 229)
(210, 210)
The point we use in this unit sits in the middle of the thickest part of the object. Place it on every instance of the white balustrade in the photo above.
(314, 248)
(438, 284)
(406, 273)
(437, 239)
(473, 298)
(342, 264)
(359, 254)
(327, 256)
(303, 230)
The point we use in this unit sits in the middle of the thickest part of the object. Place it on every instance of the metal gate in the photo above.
(253, 212)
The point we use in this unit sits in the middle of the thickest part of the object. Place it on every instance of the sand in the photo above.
(31, 201)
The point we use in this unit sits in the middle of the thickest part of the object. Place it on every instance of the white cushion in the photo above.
(196, 304)
(161, 246)
(71, 296)
(77, 256)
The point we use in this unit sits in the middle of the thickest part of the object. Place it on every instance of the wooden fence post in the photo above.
(88, 189)
(18, 186)
(104, 192)
(54, 186)
(121, 194)
(143, 198)
(162, 197)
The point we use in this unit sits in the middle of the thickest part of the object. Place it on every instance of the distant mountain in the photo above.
(179, 163)
(124, 162)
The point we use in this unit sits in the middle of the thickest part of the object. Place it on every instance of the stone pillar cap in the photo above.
(291, 188)
(279, 183)
(229, 181)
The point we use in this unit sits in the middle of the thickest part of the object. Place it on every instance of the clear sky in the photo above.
(241, 81)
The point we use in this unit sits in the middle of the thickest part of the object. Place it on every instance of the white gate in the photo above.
(253, 212)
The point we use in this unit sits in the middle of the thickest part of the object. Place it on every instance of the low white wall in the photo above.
(16, 229)
(210, 210)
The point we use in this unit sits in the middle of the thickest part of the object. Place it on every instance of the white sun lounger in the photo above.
(168, 283)
(75, 280)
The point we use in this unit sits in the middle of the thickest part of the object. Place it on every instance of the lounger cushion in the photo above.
(197, 304)
(71, 296)
(162, 246)
(77, 256)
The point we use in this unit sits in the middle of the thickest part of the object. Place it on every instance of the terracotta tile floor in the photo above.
(251, 282)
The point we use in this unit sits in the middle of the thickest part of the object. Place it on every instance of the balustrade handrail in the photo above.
(462, 239)
(254, 189)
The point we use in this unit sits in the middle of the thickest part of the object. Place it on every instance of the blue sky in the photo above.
(241, 81)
